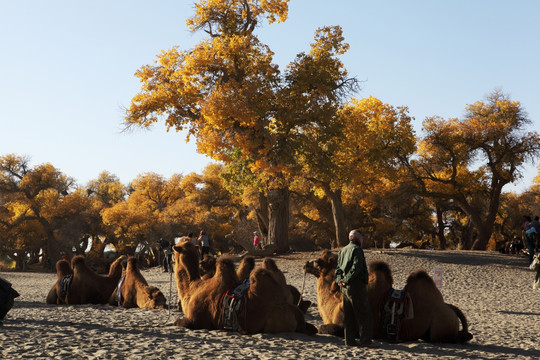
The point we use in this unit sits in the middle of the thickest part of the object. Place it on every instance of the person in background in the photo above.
(256, 241)
(192, 238)
(165, 246)
(529, 233)
(204, 243)
(352, 279)
(536, 225)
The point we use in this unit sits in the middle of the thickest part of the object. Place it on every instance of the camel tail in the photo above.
(463, 335)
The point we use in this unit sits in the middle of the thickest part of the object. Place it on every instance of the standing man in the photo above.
(352, 278)
(165, 246)
(204, 243)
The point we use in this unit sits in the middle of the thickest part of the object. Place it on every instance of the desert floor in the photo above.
(493, 290)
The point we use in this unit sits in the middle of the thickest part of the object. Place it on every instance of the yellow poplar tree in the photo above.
(230, 96)
(469, 161)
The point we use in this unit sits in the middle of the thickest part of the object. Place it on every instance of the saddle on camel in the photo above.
(416, 312)
(79, 284)
(133, 290)
(263, 305)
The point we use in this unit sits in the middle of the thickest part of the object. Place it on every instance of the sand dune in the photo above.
(493, 290)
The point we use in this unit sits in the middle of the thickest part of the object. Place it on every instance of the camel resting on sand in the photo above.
(429, 317)
(86, 286)
(57, 294)
(265, 310)
(135, 291)
(292, 292)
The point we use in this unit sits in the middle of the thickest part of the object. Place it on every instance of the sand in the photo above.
(493, 290)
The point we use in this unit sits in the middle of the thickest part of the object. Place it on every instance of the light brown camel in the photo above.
(58, 292)
(135, 291)
(329, 298)
(431, 318)
(265, 308)
(88, 287)
(293, 295)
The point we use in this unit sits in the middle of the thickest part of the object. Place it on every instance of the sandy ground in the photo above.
(493, 290)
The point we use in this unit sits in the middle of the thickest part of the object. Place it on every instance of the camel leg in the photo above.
(332, 329)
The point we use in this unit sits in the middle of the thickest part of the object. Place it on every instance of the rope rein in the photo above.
(303, 286)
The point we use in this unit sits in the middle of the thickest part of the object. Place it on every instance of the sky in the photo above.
(67, 70)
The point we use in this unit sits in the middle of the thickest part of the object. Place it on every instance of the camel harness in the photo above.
(232, 304)
(396, 305)
(65, 284)
(119, 296)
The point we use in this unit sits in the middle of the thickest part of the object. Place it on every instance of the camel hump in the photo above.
(63, 267)
(419, 274)
(382, 267)
(77, 260)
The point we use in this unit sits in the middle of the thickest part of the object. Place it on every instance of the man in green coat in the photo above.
(352, 278)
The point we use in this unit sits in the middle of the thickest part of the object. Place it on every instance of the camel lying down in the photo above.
(424, 314)
(133, 290)
(265, 305)
(78, 284)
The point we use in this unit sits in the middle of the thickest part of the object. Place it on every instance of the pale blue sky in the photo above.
(68, 69)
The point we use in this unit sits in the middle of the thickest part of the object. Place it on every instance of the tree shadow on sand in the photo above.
(463, 257)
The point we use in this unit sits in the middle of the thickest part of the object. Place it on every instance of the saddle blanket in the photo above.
(232, 304)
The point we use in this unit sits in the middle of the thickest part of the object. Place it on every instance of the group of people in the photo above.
(203, 242)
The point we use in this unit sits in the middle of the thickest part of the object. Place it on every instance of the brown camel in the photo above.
(88, 287)
(428, 318)
(432, 319)
(135, 291)
(265, 308)
(57, 294)
(293, 295)
(329, 298)
(7, 296)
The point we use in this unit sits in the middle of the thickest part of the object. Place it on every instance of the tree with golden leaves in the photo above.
(43, 201)
(230, 96)
(469, 161)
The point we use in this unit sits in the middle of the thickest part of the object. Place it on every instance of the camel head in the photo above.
(380, 273)
(156, 299)
(186, 258)
(324, 265)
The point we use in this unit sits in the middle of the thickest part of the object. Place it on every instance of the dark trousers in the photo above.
(204, 250)
(358, 317)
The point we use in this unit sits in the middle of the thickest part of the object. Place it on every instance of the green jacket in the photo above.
(351, 266)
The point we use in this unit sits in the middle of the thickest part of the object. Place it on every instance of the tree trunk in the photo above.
(484, 234)
(338, 215)
(440, 228)
(263, 218)
(278, 219)
(466, 237)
